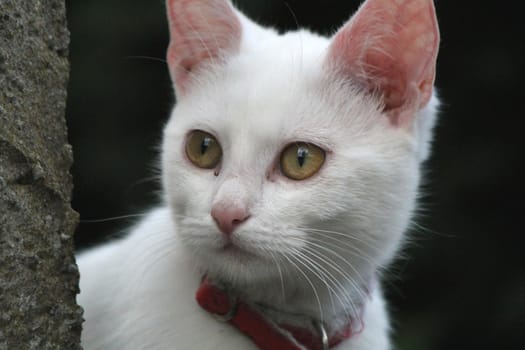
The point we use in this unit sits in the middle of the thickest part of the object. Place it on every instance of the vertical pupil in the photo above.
(302, 153)
(205, 144)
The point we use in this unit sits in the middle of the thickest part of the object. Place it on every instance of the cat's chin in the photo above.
(233, 264)
(232, 248)
(236, 254)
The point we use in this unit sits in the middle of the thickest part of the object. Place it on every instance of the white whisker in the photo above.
(340, 244)
(279, 271)
(114, 218)
(337, 267)
(309, 281)
(354, 237)
(321, 272)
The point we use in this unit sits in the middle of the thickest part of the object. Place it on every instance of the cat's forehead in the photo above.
(271, 94)
(267, 89)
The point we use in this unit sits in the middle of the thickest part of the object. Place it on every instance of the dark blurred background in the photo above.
(462, 285)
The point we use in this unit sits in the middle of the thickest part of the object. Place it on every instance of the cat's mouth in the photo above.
(233, 250)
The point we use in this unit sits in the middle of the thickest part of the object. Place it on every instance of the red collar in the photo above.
(264, 333)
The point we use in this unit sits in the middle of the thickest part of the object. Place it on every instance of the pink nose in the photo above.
(229, 218)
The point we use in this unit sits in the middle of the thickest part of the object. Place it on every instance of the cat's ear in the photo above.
(390, 47)
(200, 31)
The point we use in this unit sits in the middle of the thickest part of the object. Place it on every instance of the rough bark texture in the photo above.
(38, 274)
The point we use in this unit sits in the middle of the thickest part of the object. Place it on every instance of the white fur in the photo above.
(349, 219)
(141, 296)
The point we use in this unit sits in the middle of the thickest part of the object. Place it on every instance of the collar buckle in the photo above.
(319, 325)
(232, 301)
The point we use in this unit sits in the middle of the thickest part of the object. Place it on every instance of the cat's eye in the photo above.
(203, 149)
(301, 160)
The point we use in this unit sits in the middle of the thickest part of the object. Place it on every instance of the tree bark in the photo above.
(38, 274)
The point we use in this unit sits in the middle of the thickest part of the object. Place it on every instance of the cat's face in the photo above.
(364, 190)
(311, 164)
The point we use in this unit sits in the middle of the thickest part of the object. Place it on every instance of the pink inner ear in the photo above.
(200, 30)
(390, 46)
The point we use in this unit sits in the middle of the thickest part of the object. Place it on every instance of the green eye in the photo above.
(203, 149)
(301, 160)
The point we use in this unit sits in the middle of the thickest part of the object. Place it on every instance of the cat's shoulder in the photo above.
(110, 264)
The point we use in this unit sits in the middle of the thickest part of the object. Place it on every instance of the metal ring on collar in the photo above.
(322, 333)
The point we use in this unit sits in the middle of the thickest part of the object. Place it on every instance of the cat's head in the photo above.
(286, 151)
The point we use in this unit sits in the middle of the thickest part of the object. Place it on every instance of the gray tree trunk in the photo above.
(38, 275)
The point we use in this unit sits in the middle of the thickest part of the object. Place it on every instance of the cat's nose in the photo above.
(229, 218)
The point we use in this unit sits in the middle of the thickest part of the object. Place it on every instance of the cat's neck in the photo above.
(305, 301)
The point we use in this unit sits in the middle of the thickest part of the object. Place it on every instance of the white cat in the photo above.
(290, 169)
